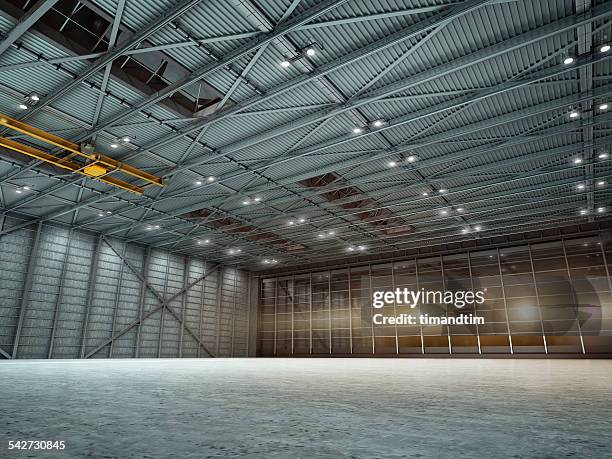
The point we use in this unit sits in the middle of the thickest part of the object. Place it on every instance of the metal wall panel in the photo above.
(68, 294)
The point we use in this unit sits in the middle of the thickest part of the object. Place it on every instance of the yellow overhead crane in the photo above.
(97, 166)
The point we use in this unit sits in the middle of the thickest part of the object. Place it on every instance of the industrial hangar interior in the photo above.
(220, 209)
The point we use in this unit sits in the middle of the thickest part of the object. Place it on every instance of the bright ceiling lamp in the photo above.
(568, 60)
(604, 48)
(285, 64)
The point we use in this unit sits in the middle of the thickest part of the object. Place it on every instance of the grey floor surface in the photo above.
(294, 408)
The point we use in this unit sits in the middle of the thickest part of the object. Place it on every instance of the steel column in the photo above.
(219, 302)
(141, 302)
(569, 279)
(90, 292)
(501, 280)
(27, 286)
(60, 293)
(117, 295)
(183, 304)
(535, 286)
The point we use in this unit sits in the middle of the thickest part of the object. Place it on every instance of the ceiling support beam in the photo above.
(110, 56)
(505, 181)
(107, 70)
(258, 41)
(28, 20)
(585, 75)
(398, 37)
(447, 135)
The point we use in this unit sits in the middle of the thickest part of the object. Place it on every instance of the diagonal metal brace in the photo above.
(163, 303)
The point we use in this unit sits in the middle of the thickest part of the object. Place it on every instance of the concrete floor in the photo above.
(268, 408)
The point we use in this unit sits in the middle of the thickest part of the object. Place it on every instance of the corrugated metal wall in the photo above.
(50, 308)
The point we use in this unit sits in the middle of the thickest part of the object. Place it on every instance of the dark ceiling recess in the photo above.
(231, 225)
(82, 28)
(352, 198)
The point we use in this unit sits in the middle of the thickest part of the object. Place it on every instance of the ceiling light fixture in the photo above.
(257, 199)
(125, 139)
(311, 52)
(357, 130)
(411, 159)
(573, 114)
(603, 156)
(459, 209)
(100, 214)
(331, 233)
(442, 190)
(301, 220)
(156, 226)
(290, 223)
(321, 235)
(568, 60)
(580, 186)
(350, 249)
(378, 123)
(198, 182)
(603, 107)
(577, 160)
(601, 183)
(285, 64)
(391, 164)
(583, 212)
(464, 231)
(604, 48)
(425, 193)
(108, 212)
(443, 212)
(210, 179)
(114, 145)
(601, 210)
(477, 228)
(35, 97)
(26, 188)
(23, 106)
(361, 247)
